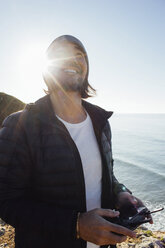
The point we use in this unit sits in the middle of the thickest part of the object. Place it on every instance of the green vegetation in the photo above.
(148, 233)
(9, 104)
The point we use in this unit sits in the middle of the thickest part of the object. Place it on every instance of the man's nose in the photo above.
(76, 61)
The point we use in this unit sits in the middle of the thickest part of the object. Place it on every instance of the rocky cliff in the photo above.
(8, 105)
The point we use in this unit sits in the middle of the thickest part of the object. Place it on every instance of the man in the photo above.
(56, 168)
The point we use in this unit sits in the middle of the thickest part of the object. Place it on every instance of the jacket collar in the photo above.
(98, 115)
(44, 108)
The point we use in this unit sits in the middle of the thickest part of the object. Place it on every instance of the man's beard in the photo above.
(72, 83)
(66, 81)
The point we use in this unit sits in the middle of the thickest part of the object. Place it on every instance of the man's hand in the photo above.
(95, 229)
(124, 197)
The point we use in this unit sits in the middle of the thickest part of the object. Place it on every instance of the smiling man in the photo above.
(67, 65)
(56, 168)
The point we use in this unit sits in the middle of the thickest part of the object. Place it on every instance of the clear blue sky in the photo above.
(125, 41)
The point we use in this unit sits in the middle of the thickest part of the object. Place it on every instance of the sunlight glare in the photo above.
(30, 63)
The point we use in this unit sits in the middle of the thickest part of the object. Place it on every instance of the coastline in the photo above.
(145, 238)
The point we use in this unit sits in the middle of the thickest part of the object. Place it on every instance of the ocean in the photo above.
(138, 146)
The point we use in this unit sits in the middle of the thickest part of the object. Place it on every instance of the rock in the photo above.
(141, 236)
(143, 228)
(163, 240)
(4, 245)
(2, 223)
(160, 244)
(2, 231)
(151, 245)
(145, 240)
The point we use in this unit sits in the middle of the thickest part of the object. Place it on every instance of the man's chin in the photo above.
(72, 86)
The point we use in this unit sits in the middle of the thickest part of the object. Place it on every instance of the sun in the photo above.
(32, 58)
(30, 63)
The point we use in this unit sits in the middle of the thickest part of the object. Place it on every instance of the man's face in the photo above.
(67, 66)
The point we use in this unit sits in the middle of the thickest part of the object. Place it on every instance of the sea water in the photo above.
(138, 144)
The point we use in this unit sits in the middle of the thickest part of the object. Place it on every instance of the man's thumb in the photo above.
(108, 212)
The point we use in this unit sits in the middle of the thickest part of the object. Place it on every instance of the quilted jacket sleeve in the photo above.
(16, 206)
(117, 187)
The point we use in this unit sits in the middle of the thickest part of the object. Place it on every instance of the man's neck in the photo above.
(68, 106)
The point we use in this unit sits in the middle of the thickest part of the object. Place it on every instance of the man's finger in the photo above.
(133, 200)
(120, 230)
(151, 221)
(112, 238)
(107, 212)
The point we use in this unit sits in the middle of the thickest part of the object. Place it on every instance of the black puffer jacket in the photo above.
(41, 177)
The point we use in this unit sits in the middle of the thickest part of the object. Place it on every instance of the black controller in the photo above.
(142, 216)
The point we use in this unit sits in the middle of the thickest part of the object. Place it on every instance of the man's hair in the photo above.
(86, 90)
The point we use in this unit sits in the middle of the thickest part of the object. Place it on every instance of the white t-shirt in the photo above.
(84, 137)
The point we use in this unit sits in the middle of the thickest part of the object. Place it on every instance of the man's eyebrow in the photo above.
(78, 53)
(76, 46)
(80, 48)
